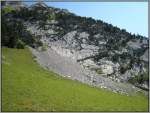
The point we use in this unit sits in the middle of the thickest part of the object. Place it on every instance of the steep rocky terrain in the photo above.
(90, 51)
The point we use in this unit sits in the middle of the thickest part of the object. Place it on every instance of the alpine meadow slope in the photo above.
(28, 87)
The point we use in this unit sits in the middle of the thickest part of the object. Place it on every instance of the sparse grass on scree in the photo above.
(28, 87)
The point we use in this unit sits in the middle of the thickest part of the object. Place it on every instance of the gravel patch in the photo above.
(71, 69)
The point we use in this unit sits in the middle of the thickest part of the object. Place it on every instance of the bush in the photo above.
(123, 69)
(145, 76)
(20, 44)
(39, 43)
(139, 79)
(44, 47)
(7, 9)
(51, 17)
(98, 70)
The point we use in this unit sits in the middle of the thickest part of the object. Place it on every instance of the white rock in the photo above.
(107, 69)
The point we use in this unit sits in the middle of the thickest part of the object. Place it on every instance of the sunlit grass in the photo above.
(28, 87)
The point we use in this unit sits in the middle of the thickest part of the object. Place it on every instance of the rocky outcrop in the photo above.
(51, 60)
(75, 45)
(144, 57)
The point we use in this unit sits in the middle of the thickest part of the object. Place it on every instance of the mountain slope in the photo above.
(100, 48)
(28, 87)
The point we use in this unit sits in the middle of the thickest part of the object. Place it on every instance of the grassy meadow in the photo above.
(28, 87)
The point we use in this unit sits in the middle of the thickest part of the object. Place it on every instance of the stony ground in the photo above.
(68, 68)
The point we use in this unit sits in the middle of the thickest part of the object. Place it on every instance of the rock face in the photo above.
(144, 57)
(50, 59)
(107, 69)
(90, 51)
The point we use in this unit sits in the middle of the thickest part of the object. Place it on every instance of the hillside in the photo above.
(107, 56)
(28, 87)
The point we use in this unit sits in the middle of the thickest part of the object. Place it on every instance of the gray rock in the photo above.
(73, 70)
(144, 57)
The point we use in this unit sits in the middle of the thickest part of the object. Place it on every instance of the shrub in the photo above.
(98, 70)
(123, 69)
(145, 76)
(7, 9)
(139, 79)
(39, 43)
(20, 44)
(51, 17)
(44, 48)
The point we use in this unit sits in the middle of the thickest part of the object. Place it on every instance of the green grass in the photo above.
(28, 87)
(8, 9)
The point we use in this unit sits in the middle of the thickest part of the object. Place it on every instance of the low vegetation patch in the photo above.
(139, 79)
(98, 70)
